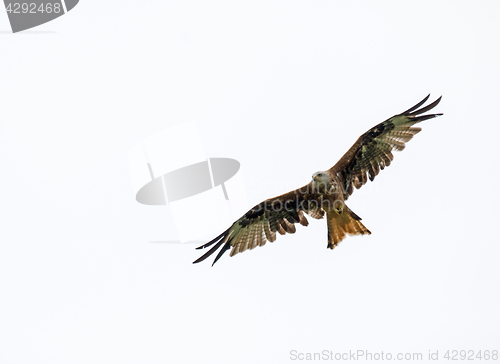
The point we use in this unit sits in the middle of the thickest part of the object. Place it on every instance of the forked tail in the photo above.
(342, 221)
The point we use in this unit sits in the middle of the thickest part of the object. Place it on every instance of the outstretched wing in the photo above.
(260, 224)
(373, 150)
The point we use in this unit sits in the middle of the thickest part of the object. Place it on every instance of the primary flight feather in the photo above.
(327, 191)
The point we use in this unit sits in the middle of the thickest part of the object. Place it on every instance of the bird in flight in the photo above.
(326, 193)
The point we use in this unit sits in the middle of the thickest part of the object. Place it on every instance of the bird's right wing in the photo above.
(260, 224)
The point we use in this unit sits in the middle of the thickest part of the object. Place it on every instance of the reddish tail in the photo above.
(342, 221)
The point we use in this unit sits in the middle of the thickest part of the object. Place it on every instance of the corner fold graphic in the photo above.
(70, 4)
(32, 13)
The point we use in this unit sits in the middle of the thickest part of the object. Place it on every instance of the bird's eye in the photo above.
(320, 175)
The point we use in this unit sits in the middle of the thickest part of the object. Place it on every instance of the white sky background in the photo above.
(285, 88)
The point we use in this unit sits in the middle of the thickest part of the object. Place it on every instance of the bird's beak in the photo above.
(315, 178)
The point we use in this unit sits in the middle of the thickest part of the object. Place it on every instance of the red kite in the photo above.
(326, 193)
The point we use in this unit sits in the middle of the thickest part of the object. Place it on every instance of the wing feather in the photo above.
(372, 152)
(261, 223)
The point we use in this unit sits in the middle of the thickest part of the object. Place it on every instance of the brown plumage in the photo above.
(327, 191)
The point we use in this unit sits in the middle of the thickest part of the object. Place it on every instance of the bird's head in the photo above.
(321, 180)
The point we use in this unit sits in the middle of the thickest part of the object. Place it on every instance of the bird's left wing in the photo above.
(373, 150)
(260, 224)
